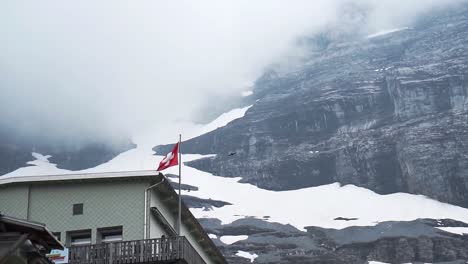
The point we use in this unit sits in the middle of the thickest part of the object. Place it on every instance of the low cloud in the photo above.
(94, 69)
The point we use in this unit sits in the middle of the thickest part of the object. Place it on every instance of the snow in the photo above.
(41, 166)
(315, 206)
(232, 239)
(376, 262)
(247, 255)
(455, 230)
(213, 236)
(246, 93)
(223, 120)
(385, 32)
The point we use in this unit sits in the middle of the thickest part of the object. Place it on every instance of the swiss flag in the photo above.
(171, 159)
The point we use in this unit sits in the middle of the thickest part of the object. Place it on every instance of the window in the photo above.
(78, 209)
(110, 234)
(79, 238)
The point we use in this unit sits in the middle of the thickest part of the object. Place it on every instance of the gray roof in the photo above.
(38, 232)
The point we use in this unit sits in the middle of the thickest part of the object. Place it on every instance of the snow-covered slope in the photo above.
(317, 206)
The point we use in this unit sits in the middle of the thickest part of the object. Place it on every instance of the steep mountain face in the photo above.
(388, 113)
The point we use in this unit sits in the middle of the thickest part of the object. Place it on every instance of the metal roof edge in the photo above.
(77, 176)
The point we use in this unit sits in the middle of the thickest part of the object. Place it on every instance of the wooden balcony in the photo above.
(160, 250)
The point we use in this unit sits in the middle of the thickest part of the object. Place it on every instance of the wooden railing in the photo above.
(160, 250)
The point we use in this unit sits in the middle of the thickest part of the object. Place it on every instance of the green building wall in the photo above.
(14, 201)
(105, 204)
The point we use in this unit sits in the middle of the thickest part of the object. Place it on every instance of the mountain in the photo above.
(387, 112)
(358, 155)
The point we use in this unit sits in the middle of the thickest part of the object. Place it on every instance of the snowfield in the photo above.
(316, 206)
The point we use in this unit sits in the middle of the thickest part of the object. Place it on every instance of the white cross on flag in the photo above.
(171, 159)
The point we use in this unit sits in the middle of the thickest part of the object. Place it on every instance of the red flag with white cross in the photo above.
(171, 159)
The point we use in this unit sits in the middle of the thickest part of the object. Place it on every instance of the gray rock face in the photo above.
(388, 113)
(417, 241)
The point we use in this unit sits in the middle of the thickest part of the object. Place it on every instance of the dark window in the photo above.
(110, 234)
(79, 238)
(78, 209)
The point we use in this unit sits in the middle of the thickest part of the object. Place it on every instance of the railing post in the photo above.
(109, 253)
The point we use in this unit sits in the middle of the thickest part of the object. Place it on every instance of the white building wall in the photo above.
(156, 230)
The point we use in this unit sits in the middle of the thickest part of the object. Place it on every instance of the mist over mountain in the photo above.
(317, 131)
(103, 70)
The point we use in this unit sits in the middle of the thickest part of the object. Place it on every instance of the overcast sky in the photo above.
(91, 67)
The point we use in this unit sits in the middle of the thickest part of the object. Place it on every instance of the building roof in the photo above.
(149, 174)
(38, 233)
(164, 188)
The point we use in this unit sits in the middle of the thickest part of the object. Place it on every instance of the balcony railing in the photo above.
(160, 250)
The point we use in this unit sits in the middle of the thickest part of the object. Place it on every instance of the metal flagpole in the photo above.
(179, 224)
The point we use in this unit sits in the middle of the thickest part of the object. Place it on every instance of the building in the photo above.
(25, 242)
(123, 216)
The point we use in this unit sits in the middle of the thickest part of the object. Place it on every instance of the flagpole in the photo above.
(179, 224)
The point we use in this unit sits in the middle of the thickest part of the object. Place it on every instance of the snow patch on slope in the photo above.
(386, 32)
(168, 133)
(40, 166)
(232, 239)
(247, 255)
(455, 230)
(223, 120)
(246, 93)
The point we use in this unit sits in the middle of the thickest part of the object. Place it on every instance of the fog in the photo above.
(96, 69)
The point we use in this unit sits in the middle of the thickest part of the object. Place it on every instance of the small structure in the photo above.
(121, 217)
(24, 241)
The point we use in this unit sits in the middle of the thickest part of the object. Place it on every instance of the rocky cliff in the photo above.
(389, 113)
(419, 241)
